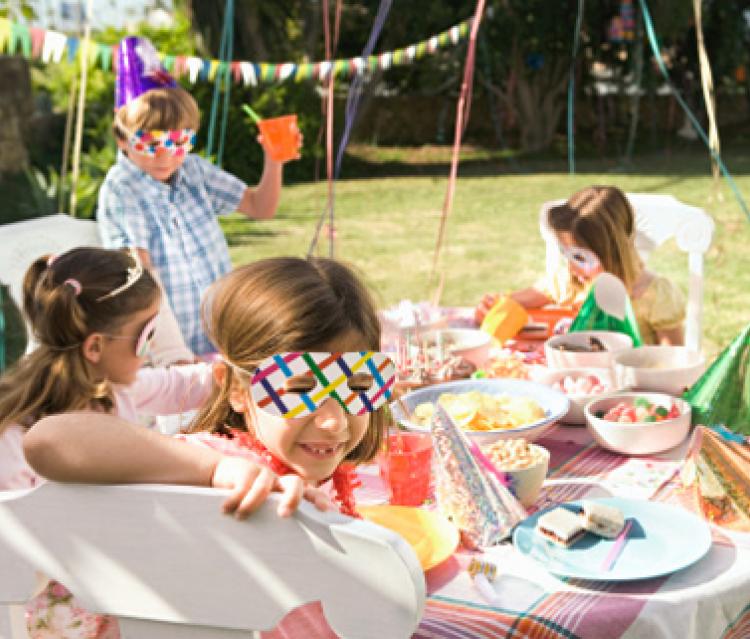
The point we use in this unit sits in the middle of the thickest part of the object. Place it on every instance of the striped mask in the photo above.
(296, 384)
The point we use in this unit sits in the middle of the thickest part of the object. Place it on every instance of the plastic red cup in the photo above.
(280, 137)
(405, 468)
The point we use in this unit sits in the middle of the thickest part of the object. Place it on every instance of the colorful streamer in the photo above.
(50, 46)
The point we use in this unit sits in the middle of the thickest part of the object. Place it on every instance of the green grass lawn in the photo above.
(387, 226)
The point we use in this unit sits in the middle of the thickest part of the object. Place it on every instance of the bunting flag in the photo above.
(50, 46)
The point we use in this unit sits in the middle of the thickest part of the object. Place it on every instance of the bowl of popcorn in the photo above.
(664, 369)
(638, 423)
(526, 465)
(585, 349)
(581, 385)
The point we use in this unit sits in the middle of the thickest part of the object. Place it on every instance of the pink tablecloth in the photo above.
(710, 599)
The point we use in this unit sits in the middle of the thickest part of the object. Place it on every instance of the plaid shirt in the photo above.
(178, 226)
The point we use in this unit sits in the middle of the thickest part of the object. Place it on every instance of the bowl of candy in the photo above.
(486, 409)
(581, 385)
(638, 423)
(585, 349)
(664, 369)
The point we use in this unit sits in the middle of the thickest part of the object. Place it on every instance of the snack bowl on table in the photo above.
(597, 382)
(664, 369)
(565, 351)
(469, 343)
(634, 435)
(526, 464)
(534, 418)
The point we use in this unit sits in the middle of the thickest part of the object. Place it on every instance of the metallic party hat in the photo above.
(138, 70)
(722, 394)
(478, 504)
(608, 308)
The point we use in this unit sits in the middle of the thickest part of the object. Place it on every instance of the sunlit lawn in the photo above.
(387, 228)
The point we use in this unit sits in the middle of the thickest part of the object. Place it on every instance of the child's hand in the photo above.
(250, 484)
(487, 302)
(299, 142)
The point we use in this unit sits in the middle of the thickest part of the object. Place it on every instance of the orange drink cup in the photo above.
(405, 468)
(280, 137)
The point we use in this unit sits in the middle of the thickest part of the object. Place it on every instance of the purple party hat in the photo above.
(138, 70)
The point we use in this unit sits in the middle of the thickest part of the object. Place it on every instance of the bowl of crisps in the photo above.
(486, 409)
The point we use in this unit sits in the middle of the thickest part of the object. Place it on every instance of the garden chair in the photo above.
(25, 241)
(658, 219)
(168, 564)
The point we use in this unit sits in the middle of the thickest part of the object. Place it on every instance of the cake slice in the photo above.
(560, 526)
(600, 519)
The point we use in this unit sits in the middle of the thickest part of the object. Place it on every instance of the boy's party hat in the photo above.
(722, 394)
(481, 507)
(608, 308)
(138, 70)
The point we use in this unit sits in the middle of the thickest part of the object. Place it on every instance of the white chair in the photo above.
(659, 218)
(168, 564)
(23, 242)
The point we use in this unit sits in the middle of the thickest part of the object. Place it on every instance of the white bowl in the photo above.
(469, 343)
(557, 358)
(638, 438)
(575, 415)
(665, 369)
(554, 404)
(526, 483)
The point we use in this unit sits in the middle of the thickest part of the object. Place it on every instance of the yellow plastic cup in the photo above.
(505, 319)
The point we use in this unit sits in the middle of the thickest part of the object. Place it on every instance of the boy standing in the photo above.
(165, 201)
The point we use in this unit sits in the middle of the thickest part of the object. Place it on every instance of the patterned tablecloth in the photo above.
(710, 599)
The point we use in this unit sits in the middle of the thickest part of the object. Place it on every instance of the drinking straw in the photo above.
(617, 547)
(256, 118)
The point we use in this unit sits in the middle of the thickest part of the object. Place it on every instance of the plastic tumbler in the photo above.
(280, 137)
(405, 468)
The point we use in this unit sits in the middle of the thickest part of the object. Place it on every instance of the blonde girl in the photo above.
(300, 386)
(93, 312)
(595, 230)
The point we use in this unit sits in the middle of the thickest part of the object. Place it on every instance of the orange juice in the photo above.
(280, 137)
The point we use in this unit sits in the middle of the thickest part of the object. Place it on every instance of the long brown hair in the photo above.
(600, 218)
(285, 304)
(65, 299)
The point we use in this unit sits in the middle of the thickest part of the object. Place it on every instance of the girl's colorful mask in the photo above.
(296, 384)
(176, 142)
(585, 259)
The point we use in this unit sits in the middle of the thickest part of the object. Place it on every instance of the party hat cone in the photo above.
(474, 499)
(722, 394)
(718, 468)
(608, 308)
(138, 70)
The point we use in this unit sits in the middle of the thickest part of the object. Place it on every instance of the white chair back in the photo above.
(23, 242)
(658, 219)
(167, 563)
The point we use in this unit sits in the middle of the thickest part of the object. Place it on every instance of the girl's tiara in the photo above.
(134, 274)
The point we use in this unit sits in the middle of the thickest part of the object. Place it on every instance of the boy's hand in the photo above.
(484, 306)
(300, 140)
(250, 484)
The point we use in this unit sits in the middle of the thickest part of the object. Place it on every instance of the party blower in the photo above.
(280, 135)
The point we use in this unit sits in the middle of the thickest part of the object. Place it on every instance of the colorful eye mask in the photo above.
(176, 142)
(585, 259)
(296, 384)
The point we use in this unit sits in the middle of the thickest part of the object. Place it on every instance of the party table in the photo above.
(710, 599)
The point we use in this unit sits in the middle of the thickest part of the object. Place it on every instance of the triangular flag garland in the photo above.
(50, 46)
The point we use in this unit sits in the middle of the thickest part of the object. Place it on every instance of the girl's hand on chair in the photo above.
(250, 484)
